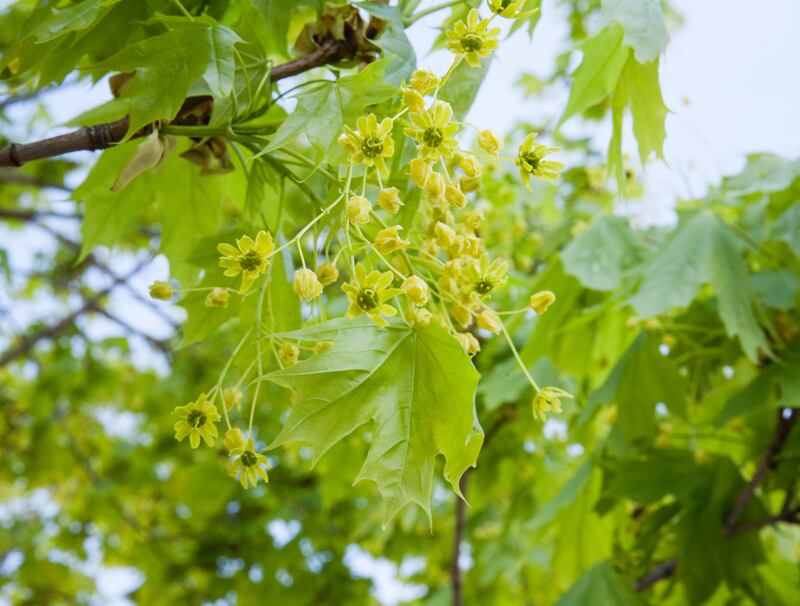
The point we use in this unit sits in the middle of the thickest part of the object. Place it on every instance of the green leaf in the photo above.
(604, 56)
(600, 585)
(277, 17)
(647, 107)
(599, 255)
(642, 379)
(463, 85)
(166, 66)
(763, 173)
(702, 250)
(73, 18)
(394, 42)
(321, 114)
(417, 387)
(787, 228)
(643, 20)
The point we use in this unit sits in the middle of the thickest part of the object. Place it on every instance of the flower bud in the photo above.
(473, 220)
(469, 184)
(161, 290)
(389, 200)
(289, 353)
(416, 290)
(321, 347)
(306, 284)
(233, 439)
(468, 343)
(358, 209)
(218, 297)
(232, 397)
(424, 80)
(435, 186)
(327, 274)
(413, 100)
(542, 300)
(454, 197)
(420, 171)
(471, 166)
(417, 317)
(445, 235)
(388, 240)
(462, 315)
(489, 320)
(490, 142)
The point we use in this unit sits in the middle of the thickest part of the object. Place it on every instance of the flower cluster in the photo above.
(408, 237)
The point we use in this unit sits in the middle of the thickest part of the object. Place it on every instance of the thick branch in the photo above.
(100, 136)
(661, 571)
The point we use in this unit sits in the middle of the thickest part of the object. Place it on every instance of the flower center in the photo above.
(248, 458)
(483, 286)
(433, 137)
(372, 147)
(472, 43)
(196, 419)
(367, 299)
(531, 159)
(250, 261)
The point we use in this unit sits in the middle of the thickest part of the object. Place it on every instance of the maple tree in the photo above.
(368, 281)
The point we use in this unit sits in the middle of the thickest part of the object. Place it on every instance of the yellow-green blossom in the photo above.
(511, 9)
(472, 40)
(548, 400)
(217, 297)
(468, 343)
(424, 81)
(161, 290)
(327, 274)
(531, 162)
(483, 278)
(357, 210)
(368, 294)
(388, 240)
(289, 353)
(250, 259)
(541, 300)
(370, 143)
(232, 398)
(416, 290)
(248, 464)
(490, 142)
(434, 131)
(197, 421)
(389, 200)
(306, 284)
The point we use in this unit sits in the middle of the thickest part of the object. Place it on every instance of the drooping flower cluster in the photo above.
(406, 233)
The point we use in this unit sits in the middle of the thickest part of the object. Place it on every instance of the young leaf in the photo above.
(416, 387)
(643, 21)
(604, 56)
(647, 107)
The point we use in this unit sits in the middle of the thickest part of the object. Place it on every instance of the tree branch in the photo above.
(659, 572)
(100, 136)
(786, 420)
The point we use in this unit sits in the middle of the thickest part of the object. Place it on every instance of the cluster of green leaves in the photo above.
(681, 345)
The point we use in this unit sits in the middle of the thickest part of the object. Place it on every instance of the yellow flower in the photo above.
(454, 196)
(389, 200)
(420, 171)
(327, 274)
(248, 464)
(462, 314)
(368, 294)
(471, 166)
(417, 317)
(531, 163)
(489, 320)
(434, 131)
(370, 143)
(306, 284)
(542, 300)
(424, 81)
(548, 400)
(413, 100)
(232, 398)
(473, 220)
(416, 290)
(250, 259)
(484, 278)
(435, 186)
(468, 343)
(490, 142)
(445, 235)
(161, 290)
(510, 9)
(289, 353)
(197, 421)
(217, 297)
(388, 240)
(233, 439)
(358, 209)
(472, 40)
